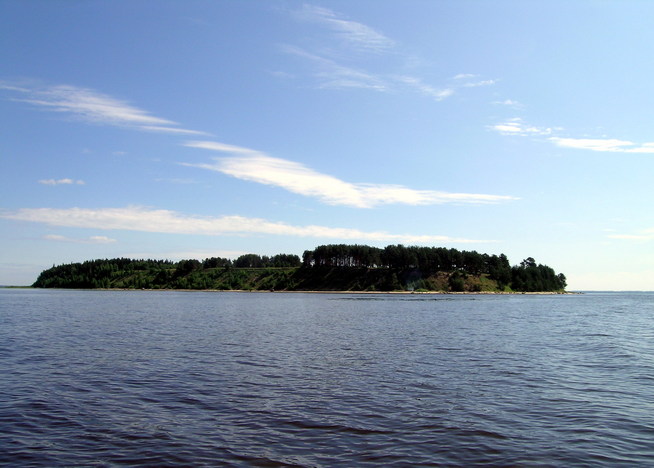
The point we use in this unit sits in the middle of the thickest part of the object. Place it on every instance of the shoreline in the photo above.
(260, 291)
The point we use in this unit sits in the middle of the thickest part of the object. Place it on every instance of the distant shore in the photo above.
(469, 293)
(258, 291)
(328, 268)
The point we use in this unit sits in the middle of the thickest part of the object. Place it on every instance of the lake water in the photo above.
(106, 378)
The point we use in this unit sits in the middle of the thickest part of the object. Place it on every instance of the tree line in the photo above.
(396, 266)
(125, 272)
(528, 276)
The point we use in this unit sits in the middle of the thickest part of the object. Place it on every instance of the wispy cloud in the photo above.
(356, 35)
(189, 254)
(61, 182)
(509, 103)
(87, 240)
(642, 235)
(476, 84)
(137, 218)
(255, 166)
(176, 181)
(605, 145)
(437, 93)
(222, 147)
(469, 80)
(347, 41)
(93, 107)
(331, 74)
(171, 130)
(517, 126)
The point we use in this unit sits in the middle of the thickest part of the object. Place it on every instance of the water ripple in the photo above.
(181, 379)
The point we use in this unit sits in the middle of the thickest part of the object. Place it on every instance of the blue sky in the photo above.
(169, 129)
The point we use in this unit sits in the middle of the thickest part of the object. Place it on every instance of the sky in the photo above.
(193, 129)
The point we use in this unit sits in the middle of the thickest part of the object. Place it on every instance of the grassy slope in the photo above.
(298, 279)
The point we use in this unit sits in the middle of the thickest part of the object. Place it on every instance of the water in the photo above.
(107, 378)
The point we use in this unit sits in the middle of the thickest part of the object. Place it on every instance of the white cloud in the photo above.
(440, 93)
(189, 254)
(136, 218)
(637, 237)
(88, 240)
(476, 84)
(355, 34)
(177, 181)
(333, 75)
(91, 106)
(605, 145)
(437, 93)
(171, 130)
(344, 44)
(291, 176)
(509, 103)
(642, 235)
(255, 166)
(61, 182)
(94, 107)
(9, 87)
(221, 147)
(336, 76)
(516, 126)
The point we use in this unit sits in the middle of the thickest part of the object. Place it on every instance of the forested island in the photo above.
(326, 268)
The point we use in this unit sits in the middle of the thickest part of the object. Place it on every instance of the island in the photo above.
(334, 267)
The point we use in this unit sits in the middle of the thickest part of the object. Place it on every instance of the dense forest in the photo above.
(326, 268)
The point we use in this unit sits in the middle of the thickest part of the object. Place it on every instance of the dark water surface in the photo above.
(106, 378)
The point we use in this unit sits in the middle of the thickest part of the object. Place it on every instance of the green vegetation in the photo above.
(326, 268)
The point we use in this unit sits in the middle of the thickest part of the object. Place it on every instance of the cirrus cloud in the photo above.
(94, 107)
(610, 145)
(517, 127)
(427, 90)
(255, 166)
(61, 182)
(333, 75)
(356, 35)
(346, 54)
(642, 235)
(138, 218)
(87, 240)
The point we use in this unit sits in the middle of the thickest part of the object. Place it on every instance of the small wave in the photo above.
(482, 433)
(317, 383)
(252, 363)
(314, 426)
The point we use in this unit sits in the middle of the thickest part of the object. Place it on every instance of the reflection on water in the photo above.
(194, 378)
